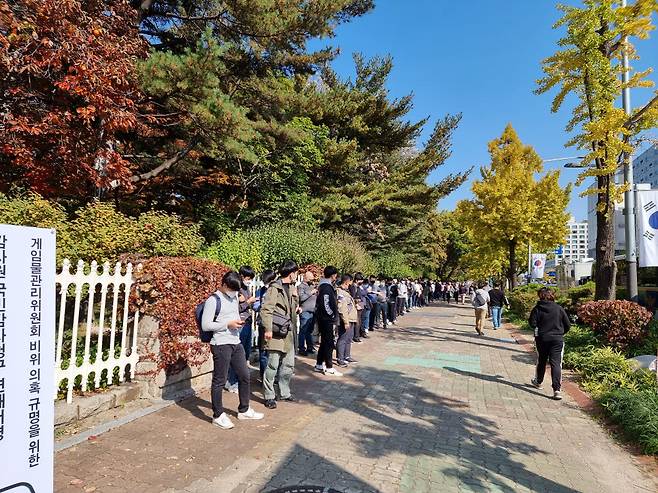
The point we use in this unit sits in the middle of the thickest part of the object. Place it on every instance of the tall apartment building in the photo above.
(645, 175)
(575, 247)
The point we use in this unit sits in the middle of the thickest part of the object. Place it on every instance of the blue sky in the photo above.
(480, 58)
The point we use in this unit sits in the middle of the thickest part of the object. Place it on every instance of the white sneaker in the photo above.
(535, 383)
(319, 369)
(250, 414)
(233, 389)
(224, 422)
(557, 395)
(333, 372)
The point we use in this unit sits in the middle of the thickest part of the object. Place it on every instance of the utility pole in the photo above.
(629, 195)
(529, 262)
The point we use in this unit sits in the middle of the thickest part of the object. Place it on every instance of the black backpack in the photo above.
(206, 335)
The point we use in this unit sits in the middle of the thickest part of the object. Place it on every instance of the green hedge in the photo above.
(524, 298)
(99, 232)
(637, 413)
(267, 247)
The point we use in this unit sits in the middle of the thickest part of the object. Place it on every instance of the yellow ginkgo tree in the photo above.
(512, 206)
(589, 67)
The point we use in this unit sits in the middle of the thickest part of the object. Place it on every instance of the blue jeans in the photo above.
(365, 320)
(263, 359)
(496, 315)
(305, 339)
(245, 340)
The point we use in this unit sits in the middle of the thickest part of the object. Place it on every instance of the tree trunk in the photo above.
(513, 267)
(605, 269)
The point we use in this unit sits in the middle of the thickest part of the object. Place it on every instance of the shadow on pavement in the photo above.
(405, 418)
(498, 379)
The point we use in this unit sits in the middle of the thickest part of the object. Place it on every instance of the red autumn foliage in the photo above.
(168, 289)
(622, 323)
(68, 97)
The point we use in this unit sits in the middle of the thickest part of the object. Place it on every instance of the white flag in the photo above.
(647, 227)
(538, 264)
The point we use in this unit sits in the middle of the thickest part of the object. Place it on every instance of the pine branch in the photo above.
(164, 166)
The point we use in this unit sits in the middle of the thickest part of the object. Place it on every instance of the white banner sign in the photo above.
(538, 264)
(647, 227)
(27, 355)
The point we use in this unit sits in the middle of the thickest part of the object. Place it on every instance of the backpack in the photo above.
(206, 335)
(479, 301)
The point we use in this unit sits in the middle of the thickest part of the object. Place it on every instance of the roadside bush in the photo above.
(99, 232)
(267, 247)
(235, 249)
(579, 340)
(649, 345)
(523, 299)
(605, 369)
(622, 323)
(573, 298)
(33, 210)
(637, 413)
(169, 289)
(163, 234)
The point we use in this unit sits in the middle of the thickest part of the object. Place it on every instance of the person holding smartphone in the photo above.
(227, 350)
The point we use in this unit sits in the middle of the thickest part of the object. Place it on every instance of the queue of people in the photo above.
(290, 313)
(345, 309)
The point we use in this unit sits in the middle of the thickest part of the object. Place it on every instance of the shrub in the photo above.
(523, 299)
(267, 247)
(99, 232)
(637, 413)
(649, 345)
(169, 289)
(604, 369)
(33, 210)
(577, 341)
(581, 294)
(573, 298)
(622, 323)
(162, 234)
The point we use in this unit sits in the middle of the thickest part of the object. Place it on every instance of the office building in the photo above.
(575, 246)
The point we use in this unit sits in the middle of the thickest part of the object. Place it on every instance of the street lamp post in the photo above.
(629, 197)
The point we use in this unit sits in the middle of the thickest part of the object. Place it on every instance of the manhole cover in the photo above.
(305, 489)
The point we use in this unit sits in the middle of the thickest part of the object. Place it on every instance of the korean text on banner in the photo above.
(27, 353)
(647, 227)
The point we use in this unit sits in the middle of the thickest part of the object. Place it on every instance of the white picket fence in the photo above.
(105, 320)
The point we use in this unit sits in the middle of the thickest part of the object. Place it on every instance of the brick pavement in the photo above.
(430, 407)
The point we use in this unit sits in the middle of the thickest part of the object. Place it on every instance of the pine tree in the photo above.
(589, 68)
(511, 208)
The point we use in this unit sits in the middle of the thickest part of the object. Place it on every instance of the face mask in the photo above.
(248, 283)
(232, 294)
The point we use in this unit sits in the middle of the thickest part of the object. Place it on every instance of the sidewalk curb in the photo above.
(110, 425)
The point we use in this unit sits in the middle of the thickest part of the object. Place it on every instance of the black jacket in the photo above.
(549, 321)
(497, 297)
(326, 306)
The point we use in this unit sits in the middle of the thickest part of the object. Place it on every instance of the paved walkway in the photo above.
(431, 407)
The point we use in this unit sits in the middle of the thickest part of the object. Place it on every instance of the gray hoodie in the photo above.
(230, 310)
